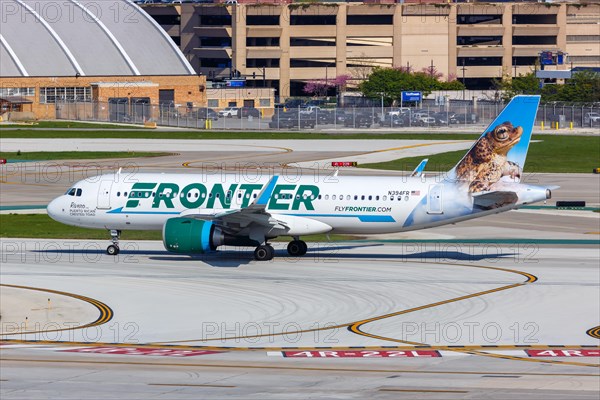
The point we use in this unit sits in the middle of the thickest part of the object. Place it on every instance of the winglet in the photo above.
(265, 194)
(419, 170)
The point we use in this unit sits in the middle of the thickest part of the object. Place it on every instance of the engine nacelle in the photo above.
(191, 236)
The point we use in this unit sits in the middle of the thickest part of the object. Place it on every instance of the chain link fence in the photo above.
(454, 114)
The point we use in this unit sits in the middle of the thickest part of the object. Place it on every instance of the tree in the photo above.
(583, 87)
(523, 84)
(390, 82)
(317, 88)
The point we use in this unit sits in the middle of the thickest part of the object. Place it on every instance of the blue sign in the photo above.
(412, 96)
(546, 58)
(236, 83)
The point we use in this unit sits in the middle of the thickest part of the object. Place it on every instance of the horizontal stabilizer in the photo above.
(496, 199)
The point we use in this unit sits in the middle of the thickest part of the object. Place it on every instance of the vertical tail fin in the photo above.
(502, 148)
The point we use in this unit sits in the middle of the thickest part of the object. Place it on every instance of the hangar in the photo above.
(54, 54)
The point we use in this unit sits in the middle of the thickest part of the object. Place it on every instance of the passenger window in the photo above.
(118, 194)
(355, 197)
(362, 197)
(370, 197)
(376, 197)
(257, 195)
(125, 194)
(333, 197)
(391, 197)
(196, 195)
(326, 197)
(319, 197)
(78, 192)
(348, 197)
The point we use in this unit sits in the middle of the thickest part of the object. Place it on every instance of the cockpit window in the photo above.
(78, 193)
(71, 192)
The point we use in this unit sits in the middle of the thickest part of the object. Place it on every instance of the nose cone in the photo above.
(56, 209)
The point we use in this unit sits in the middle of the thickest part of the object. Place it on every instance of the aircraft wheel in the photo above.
(112, 250)
(264, 253)
(297, 248)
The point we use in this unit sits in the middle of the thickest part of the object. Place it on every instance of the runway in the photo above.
(503, 306)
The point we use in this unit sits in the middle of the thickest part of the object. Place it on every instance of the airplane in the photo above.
(197, 213)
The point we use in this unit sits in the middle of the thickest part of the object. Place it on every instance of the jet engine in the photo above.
(191, 236)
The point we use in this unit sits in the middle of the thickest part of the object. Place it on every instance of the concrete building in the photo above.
(295, 43)
(53, 54)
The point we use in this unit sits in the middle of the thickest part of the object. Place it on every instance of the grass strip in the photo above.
(558, 154)
(41, 226)
(76, 155)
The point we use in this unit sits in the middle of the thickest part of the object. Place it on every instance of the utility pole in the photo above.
(463, 77)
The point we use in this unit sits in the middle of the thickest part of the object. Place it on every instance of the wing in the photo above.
(236, 221)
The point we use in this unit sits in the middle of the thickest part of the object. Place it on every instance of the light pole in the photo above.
(463, 77)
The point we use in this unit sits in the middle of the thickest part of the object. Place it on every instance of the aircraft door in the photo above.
(104, 194)
(434, 200)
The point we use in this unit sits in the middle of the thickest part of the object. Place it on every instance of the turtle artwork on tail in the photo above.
(486, 163)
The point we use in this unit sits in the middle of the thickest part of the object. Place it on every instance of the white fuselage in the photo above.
(307, 204)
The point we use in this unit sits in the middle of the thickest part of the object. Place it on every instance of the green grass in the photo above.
(76, 155)
(265, 135)
(547, 154)
(41, 226)
(69, 125)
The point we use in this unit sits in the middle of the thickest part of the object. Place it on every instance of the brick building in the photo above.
(54, 54)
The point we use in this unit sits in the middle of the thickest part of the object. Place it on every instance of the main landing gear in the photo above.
(265, 252)
(113, 249)
(297, 248)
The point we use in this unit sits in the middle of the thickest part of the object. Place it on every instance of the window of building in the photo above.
(215, 62)
(264, 102)
(301, 63)
(262, 20)
(213, 102)
(312, 42)
(474, 19)
(262, 41)
(524, 60)
(312, 20)
(167, 19)
(532, 19)
(585, 59)
(580, 38)
(15, 91)
(215, 20)
(370, 19)
(475, 61)
(479, 40)
(262, 62)
(207, 41)
(533, 40)
(49, 95)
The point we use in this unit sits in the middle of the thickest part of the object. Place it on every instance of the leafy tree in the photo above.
(390, 82)
(523, 84)
(583, 87)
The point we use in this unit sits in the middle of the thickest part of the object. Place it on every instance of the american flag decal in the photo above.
(415, 192)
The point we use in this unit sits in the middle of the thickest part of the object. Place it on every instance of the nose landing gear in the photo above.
(113, 249)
